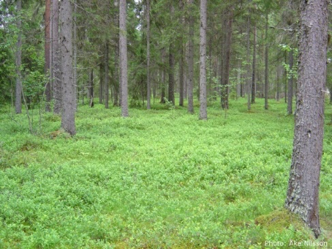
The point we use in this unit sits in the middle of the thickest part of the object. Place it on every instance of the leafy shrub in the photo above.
(156, 179)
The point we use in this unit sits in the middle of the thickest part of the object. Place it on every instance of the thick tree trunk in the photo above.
(123, 58)
(18, 61)
(266, 94)
(148, 99)
(202, 80)
(68, 89)
(47, 51)
(303, 188)
(56, 65)
(290, 86)
(191, 58)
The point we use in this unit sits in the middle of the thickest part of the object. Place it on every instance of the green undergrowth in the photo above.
(158, 179)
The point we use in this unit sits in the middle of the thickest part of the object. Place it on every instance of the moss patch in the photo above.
(279, 220)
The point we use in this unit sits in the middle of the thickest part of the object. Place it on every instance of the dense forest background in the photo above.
(250, 47)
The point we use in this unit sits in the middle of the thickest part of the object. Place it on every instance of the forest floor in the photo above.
(158, 179)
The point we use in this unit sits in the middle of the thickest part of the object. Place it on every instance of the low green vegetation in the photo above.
(158, 179)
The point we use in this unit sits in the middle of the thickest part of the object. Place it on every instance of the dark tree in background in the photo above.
(303, 188)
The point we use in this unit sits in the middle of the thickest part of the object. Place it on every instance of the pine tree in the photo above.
(303, 187)
(68, 89)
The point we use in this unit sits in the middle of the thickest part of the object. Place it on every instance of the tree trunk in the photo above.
(163, 90)
(181, 75)
(106, 76)
(115, 74)
(163, 78)
(148, 99)
(215, 88)
(116, 78)
(56, 65)
(82, 93)
(68, 89)
(248, 65)
(278, 82)
(285, 78)
(227, 57)
(18, 61)
(75, 55)
(253, 80)
(171, 82)
(238, 86)
(222, 58)
(202, 81)
(123, 58)
(191, 58)
(47, 51)
(303, 187)
(154, 86)
(181, 62)
(211, 69)
(185, 69)
(171, 97)
(290, 86)
(101, 80)
(91, 88)
(266, 105)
